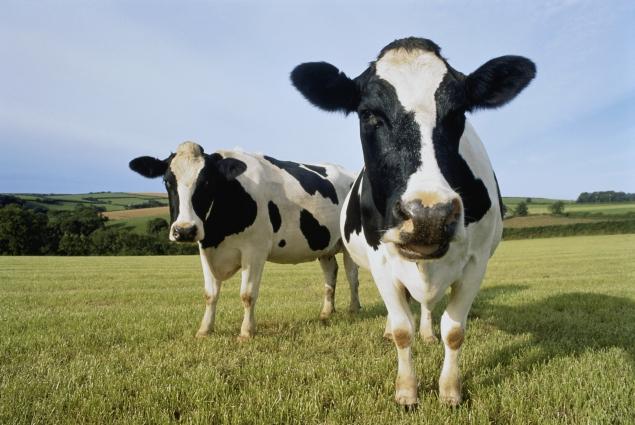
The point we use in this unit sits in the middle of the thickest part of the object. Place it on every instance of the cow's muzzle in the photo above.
(426, 231)
(184, 233)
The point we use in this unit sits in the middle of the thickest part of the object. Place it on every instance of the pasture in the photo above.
(551, 339)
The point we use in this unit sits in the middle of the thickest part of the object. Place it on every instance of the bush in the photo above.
(156, 225)
(557, 208)
(521, 209)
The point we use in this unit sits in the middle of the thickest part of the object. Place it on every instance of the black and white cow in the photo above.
(245, 209)
(425, 213)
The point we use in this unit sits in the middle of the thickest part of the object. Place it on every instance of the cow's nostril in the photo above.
(399, 211)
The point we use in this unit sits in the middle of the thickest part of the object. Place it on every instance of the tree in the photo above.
(156, 225)
(22, 231)
(521, 209)
(528, 200)
(557, 208)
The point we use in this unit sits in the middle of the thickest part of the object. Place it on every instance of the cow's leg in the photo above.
(329, 268)
(425, 325)
(249, 287)
(402, 329)
(388, 328)
(212, 292)
(353, 280)
(453, 332)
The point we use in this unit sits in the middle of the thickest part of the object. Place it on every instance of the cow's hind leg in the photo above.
(249, 288)
(212, 292)
(425, 325)
(329, 268)
(353, 280)
(453, 332)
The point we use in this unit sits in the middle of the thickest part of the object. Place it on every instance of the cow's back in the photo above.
(298, 207)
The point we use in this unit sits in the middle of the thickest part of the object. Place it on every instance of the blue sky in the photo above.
(87, 86)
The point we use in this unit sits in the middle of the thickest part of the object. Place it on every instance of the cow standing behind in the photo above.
(245, 209)
(425, 213)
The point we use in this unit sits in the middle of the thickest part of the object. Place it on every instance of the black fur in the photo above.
(500, 198)
(320, 170)
(274, 216)
(234, 210)
(309, 180)
(325, 86)
(498, 81)
(316, 235)
(149, 167)
(353, 221)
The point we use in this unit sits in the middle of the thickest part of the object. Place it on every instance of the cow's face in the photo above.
(411, 106)
(192, 179)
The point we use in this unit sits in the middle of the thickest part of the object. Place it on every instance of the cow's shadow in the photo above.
(562, 325)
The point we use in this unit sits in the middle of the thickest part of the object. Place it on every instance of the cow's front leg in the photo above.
(329, 269)
(249, 287)
(212, 292)
(352, 275)
(453, 326)
(402, 329)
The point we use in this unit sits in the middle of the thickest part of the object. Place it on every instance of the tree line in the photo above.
(25, 230)
(605, 197)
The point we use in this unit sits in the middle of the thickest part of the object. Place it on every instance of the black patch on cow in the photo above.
(309, 180)
(391, 143)
(500, 198)
(372, 219)
(446, 138)
(173, 195)
(353, 221)
(274, 216)
(316, 235)
(282, 243)
(320, 170)
(233, 209)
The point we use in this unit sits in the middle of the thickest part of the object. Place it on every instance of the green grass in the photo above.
(541, 206)
(111, 201)
(551, 339)
(136, 224)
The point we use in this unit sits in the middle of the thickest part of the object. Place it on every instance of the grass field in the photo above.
(541, 206)
(551, 339)
(110, 201)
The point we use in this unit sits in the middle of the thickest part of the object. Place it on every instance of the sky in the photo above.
(87, 86)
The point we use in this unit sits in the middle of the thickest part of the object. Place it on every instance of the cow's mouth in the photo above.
(421, 251)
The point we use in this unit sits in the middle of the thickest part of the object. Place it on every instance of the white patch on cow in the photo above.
(416, 76)
(186, 166)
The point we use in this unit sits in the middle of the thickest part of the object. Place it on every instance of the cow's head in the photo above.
(192, 179)
(411, 106)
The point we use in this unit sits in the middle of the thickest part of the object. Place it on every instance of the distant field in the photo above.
(544, 220)
(139, 212)
(551, 339)
(541, 206)
(110, 201)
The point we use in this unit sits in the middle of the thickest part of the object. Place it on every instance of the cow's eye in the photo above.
(371, 119)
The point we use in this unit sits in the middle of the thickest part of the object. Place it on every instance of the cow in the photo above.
(425, 213)
(244, 209)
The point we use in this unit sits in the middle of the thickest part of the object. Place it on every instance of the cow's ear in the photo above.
(326, 87)
(230, 168)
(498, 81)
(148, 166)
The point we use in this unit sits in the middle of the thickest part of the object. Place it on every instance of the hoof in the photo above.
(324, 316)
(430, 339)
(406, 399)
(243, 338)
(450, 400)
(202, 334)
(354, 308)
(388, 336)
